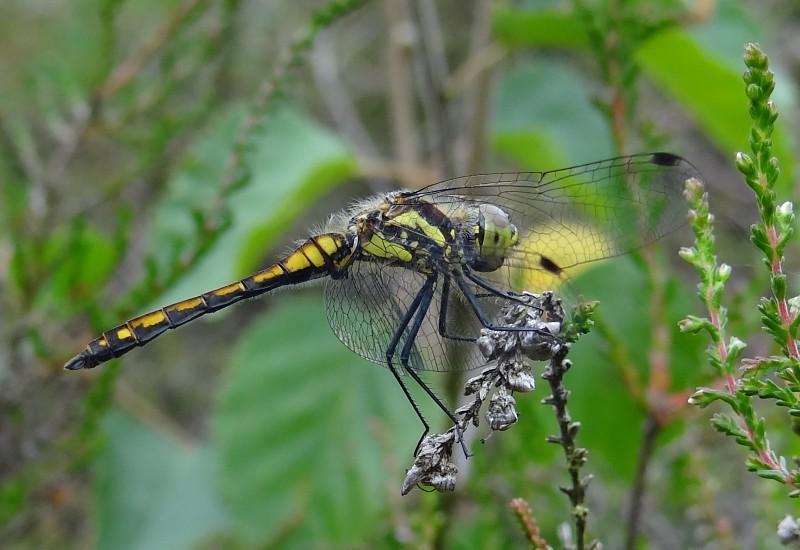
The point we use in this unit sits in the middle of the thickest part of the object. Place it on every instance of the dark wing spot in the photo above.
(665, 159)
(496, 238)
(549, 265)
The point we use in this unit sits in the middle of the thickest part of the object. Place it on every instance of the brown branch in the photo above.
(399, 52)
(529, 524)
(433, 65)
(576, 456)
(650, 430)
(126, 71)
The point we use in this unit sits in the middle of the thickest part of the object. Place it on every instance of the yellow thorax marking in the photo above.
(416, 222)
(102, 342)
(380, 247)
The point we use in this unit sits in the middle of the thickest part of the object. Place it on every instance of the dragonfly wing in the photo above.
(366, 307)
(573, 216)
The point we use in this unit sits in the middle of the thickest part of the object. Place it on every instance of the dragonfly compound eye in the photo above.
(496, 235)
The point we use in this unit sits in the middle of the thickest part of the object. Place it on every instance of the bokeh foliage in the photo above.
(150, 151)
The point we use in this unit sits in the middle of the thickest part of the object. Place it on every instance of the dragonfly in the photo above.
(412, 277)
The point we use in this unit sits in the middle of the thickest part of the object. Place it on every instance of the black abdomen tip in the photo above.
(83, 360)
(666, 159)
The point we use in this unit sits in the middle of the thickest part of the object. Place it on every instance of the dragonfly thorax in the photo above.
(494, 236)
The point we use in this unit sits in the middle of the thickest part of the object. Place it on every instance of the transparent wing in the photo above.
(366, 308)
(573, 216)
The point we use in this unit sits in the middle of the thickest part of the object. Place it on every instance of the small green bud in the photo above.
(745, 165)
(754, 57)
(723, 272)
(767, 85)
(773, 170)
(785, 215)
(735, 348)
(693, 190)
(779, 286)
(688, 254)
(753, 91)
(694, 324)
(772, 111)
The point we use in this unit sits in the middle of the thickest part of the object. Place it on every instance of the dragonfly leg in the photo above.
(481, 314)
(508, 294)
(405, 355)
(392, 348)
(443, 315)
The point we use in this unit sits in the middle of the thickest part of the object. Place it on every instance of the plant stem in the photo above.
(650, 431)
(529, 524)
(576, 456)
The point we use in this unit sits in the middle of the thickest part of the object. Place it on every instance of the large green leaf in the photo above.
(544, 118)
(296, 428)
(710, 91)
(323, 177)
(611, 419)
(153, 492)
(286, 156)
(514, 27)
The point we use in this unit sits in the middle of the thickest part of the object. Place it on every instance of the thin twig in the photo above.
(339, 103)
(126, 71)
(476, 106)
(529, 524)
(576, 456)
(650, 430)
(399, 52)
(434, 78)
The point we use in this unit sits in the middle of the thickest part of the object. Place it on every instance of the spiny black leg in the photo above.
(405, 355)
(482, 317)
(509, 295)
(443, 315)
(390, 350)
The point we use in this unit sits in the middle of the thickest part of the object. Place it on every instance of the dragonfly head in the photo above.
(496, 235)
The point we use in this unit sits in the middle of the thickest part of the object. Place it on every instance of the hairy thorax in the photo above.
(421, 235)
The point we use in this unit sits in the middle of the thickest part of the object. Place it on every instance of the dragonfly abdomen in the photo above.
(317, 257)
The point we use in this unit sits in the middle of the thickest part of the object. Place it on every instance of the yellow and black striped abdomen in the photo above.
(318, 256)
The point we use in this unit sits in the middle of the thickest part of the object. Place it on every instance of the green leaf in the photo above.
(515, 28)
(324, 177)
(151, 491)
(730, 426)
(79, 259)
(305, 429)
(703, 397)
(289, 151)
(710, 91)
(548, 103)
(611, 419)
(531, 150)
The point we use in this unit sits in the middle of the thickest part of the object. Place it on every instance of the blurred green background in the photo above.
(152, 150)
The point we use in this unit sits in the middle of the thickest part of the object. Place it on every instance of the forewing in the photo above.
(573, 216)
(366, 307)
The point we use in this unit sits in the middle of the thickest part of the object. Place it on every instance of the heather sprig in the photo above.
(746, 378)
